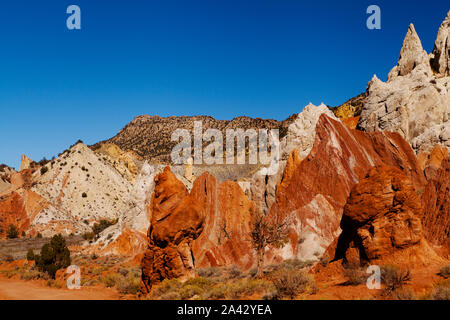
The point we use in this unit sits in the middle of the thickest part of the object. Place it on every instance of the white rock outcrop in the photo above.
(301, 135)
(415, 100)
(83, 186)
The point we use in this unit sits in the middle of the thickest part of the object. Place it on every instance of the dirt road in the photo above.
(28, 290)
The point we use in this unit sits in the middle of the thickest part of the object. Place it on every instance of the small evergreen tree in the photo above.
(54, 256)
(30, 255)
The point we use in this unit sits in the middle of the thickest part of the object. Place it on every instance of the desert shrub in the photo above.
(54, 256)
(252, 272)
(88, 236)
(30, 255)
(54, 283)
(165, 287)
(44, 170)
(8, 258)
(84, 195)
(199, 282)
(290, 283)
(403, 294)
(102, 225)
(355, 275)
(242, 288)
(33, 275)
(189, 291)
(445, 271)
(209, 272)
(109, 280)
(217, 292)
(173, 295)
(394, 278)
(12, 232)
(441, 291)
(271, 295)
(234, 272)
(128, 284)
(9, 273)
(123, 271)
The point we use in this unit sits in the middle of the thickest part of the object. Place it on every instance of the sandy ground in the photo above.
(28, 290)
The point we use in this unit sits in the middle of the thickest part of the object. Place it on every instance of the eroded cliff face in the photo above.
(317, 187)
(382, 222)
(210, 226)
(436, 204)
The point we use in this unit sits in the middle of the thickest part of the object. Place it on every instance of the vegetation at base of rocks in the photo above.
(206, 289)
(125, 283)
(98, 228)
(12, 232)
(30, 255)
(394, 278)
(355, 275)
(54, 256)
(283, 281)
(445, 271)
(268, 230)
(324, 260)
(44, 170)
(102, 225)
(440, 291)
(289, 264)
(34, 274)
(58, 284)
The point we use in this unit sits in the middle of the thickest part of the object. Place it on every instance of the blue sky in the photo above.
(228, 58)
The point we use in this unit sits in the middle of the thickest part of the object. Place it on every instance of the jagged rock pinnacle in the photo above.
(440, 61)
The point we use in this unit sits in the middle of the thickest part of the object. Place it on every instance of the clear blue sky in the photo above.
(224, 58)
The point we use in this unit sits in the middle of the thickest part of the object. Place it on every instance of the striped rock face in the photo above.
(319, 185)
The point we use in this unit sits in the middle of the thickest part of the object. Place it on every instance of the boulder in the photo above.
(382, 221)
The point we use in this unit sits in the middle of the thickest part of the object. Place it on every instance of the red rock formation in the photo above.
(436, 203)
(19, 208)
(208, 227)
(351, 122)
(321, 183)
(225, 238)
(176, 220)
(382, 221)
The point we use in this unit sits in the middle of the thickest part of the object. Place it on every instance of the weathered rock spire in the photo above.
(440, 61)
